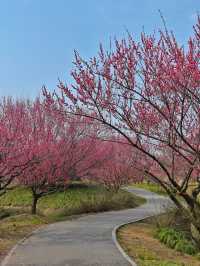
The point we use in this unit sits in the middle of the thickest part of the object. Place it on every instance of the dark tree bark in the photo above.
(34, 201)
(34, 205)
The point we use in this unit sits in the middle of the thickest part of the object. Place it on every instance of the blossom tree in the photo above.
(84, 151)
(45, 175)
(62, 149)
(149, 92)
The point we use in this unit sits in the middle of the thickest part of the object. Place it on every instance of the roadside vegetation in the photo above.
(176, 240)
(16, 221)
(164, 240)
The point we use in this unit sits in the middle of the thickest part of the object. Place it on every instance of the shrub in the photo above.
(176, 240)
(187, 247)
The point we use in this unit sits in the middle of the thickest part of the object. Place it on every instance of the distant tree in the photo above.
(13, 144)
(123, 166)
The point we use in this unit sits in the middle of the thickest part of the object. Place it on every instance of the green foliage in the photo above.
(187, 247)
(176, 240)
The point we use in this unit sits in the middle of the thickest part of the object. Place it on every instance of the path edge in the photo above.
(116, 242)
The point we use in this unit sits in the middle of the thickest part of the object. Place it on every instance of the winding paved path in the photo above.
(86, 241)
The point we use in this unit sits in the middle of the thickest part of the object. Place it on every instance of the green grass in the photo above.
(16, 197)
(75, 200)
(151, 187)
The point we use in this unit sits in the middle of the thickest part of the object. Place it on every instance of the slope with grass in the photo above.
(77, 199)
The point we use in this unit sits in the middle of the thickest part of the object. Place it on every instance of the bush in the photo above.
(187, 247)
(176, 240)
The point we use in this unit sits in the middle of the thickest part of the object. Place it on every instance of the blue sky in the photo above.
(37, 37)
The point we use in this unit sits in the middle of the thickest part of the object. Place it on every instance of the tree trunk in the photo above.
(34, 204)
(195, 232)
(195, 225)
(194, 216)
(191, 209)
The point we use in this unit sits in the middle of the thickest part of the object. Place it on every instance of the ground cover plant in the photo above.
(176, 240)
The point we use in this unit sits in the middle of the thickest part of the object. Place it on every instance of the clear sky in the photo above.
(37, 37)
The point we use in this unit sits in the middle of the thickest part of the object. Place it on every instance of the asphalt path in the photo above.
(85, 241)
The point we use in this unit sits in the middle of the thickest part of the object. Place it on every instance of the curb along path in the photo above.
(86, 241)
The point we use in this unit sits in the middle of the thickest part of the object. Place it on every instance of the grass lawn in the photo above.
(139, 241)
(76, 200)
(151, 187)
